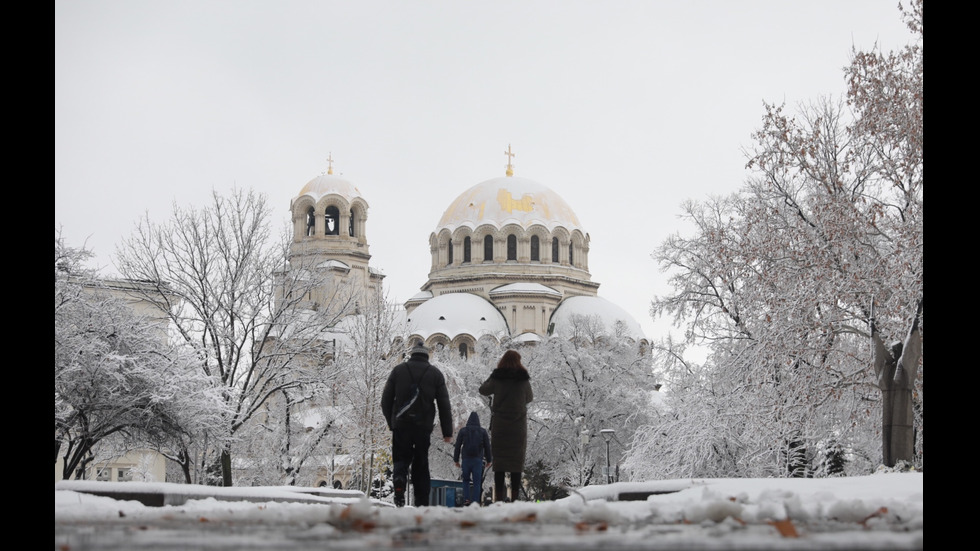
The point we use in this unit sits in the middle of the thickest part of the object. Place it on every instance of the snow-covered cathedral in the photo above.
(510, 261)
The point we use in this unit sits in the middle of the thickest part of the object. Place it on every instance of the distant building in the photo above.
(141, 465)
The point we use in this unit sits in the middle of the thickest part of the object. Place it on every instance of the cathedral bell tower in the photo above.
(329, 218)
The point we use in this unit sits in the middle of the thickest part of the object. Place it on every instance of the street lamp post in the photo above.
(583, 441)
(607, 434)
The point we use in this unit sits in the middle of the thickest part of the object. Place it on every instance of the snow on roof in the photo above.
(327, 184)
(527, 337)
(342, 330)
(421, 295)
(608, 312)
(333, 263)
(525, 288)
(304, 319)
(314, 417)
(455, 314)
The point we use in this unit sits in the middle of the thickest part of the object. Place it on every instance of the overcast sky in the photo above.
(625, 108)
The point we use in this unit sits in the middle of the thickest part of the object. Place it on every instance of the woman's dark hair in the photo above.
(511, 360)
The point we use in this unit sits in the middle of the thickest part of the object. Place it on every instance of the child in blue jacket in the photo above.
(473, 443)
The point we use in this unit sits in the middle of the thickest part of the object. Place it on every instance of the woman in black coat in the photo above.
(509, 385)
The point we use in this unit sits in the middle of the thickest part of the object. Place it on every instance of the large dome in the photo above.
(506, 200)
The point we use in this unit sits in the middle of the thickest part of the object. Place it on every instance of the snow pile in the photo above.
(882, 510)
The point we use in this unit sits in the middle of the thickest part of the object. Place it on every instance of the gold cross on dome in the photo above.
(329, 163)
(510, 166)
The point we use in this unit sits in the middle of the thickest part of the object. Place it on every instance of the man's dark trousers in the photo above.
(410, 448)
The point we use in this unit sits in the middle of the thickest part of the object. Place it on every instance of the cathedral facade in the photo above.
(510, 262)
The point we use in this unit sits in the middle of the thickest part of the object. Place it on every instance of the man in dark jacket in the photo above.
(473, 443)
(411, 417)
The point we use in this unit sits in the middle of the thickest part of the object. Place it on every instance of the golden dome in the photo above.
(509, 200)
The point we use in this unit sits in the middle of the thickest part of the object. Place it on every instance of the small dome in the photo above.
(456, 314)
(606, 311)
(507, 200)
(326, 184)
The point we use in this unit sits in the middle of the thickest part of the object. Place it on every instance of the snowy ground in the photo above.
(878, 511)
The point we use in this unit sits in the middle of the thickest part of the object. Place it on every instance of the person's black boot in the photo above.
(399, 493)
(499, 486)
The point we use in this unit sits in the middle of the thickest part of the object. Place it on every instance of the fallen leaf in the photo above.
(530, 517)
(362, 525)
(881, 511)
(785, 528)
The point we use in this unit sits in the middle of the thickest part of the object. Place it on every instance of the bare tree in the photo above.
(255, 321)
(777, 279)
(371, 348)
(116, 377)
(585, 380)
(886, 92)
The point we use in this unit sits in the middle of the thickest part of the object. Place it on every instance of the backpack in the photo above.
(473, 442)
(414, 408)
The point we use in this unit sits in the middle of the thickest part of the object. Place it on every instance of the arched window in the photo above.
(571, 257)
(463, 353)
(350, 229)
(488, 248)
(535, 249)
(331, 219)
(466, 249)
(310, 221)
(554, 250)
(449, 245)
(511, 247)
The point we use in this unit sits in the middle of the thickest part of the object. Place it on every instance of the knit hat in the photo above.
(419, 349)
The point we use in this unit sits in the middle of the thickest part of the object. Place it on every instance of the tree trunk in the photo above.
(184, 460)
(77, 458)
(226, 468)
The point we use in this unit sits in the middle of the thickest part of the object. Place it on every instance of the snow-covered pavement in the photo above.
(880, 511)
